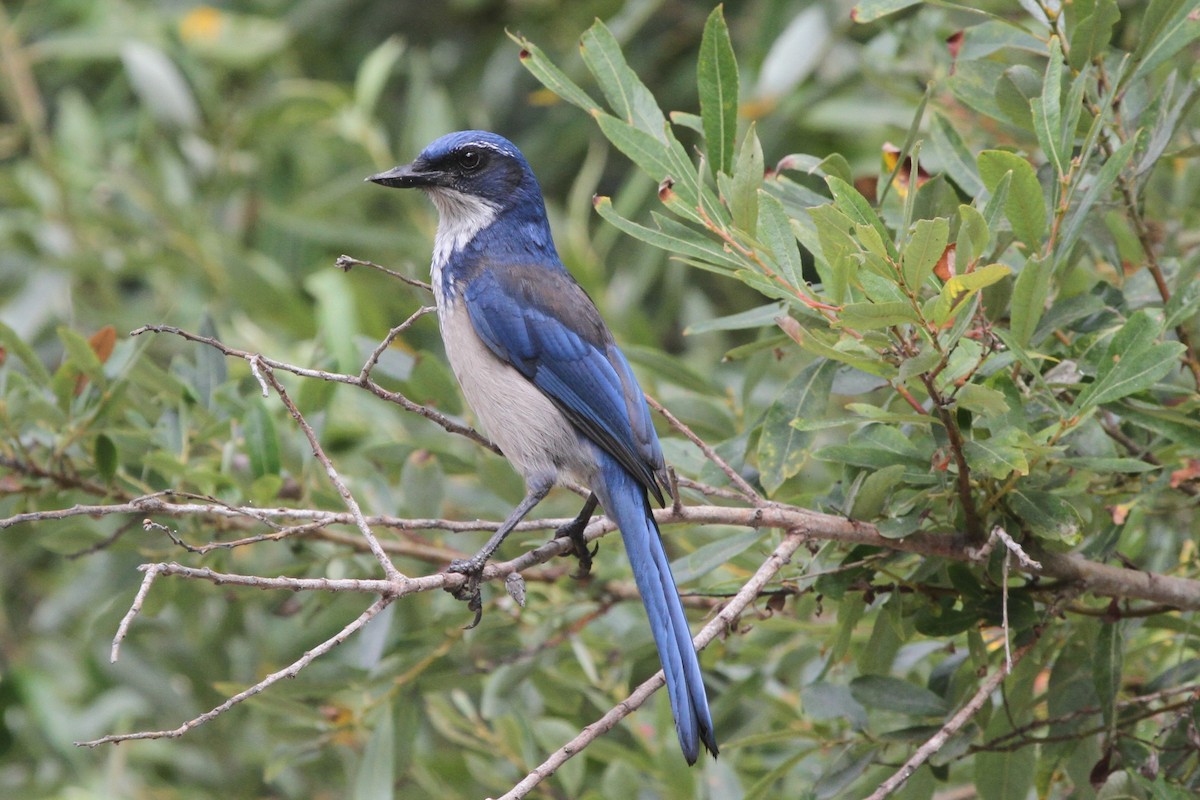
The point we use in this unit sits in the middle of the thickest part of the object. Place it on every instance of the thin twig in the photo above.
(345, 263)
(135, 608)
(371, 386)
(743, 487)
(716, 626)
(290, 671)
(953, 726)
(382, 347)
(1101, 580)
(389, 569)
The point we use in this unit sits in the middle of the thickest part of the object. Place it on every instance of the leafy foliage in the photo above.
(992, 324)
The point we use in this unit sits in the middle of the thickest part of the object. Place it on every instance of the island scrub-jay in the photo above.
(542, 372)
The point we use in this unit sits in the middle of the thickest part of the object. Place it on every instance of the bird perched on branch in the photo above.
(543, 374)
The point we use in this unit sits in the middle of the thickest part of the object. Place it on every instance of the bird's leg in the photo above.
(574, 529)
(472, 567)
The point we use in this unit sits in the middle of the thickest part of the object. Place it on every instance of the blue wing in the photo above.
(541, 322)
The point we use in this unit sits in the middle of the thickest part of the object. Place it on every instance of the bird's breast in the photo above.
(527, 427)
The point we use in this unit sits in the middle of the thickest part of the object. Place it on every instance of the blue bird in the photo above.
(541, 370)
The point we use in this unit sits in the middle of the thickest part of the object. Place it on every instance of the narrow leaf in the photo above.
(923, 250)
(1026, 205)
(1047, 109)
(895, 694)
(775, 232)
(855, 206)
(628, 97)
(956, 159)
(1030, 291)
(781, 447)
(1092, 34)
(747, 182)
(550, 76)
(262, 441)
(717, 81)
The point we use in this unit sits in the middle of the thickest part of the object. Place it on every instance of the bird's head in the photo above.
(478, 164)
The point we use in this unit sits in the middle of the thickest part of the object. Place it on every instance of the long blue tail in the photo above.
(625, 500)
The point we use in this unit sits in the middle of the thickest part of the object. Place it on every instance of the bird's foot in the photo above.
(573, 530)
(472, 570)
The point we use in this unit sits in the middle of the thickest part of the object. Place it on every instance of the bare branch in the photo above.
(953, 726)
(1099, 579)
(389, 569)
(716, 626)
(399, 399)
(345, 263)
(152, 571)
(746, 491)
(290, 671)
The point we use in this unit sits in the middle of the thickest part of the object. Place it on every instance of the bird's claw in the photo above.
(469, 590)
(574, 531)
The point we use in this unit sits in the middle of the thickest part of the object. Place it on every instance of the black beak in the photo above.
(406, 176)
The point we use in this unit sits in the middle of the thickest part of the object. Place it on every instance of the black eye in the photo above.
(470, 160)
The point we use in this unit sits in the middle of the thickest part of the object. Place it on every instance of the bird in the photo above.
(546, 379)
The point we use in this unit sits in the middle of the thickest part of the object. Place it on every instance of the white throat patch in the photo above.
(460, 217)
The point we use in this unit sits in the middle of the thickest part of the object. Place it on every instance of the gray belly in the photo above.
(530, 430)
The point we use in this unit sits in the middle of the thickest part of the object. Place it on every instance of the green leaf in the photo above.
(982, 400)
(782, 448)
(1047, 514)
(874, 491)
(1030, 292)
(650, 153)
(713, 555)
(876, 447)
(1047, 110)
(717, 82)
(1131, 465)
(871, 10)
(997, 457)
(1018, 88)
(873, 316)
(375, 778)
(1131, 363)
(1007, 774)
(743, 320)
(747, 183)
(670, 368)
(775, 232)
(105, 453)
(1168, 26)
(894, 694)
(671, 236)
(1026, 205)
(17, 347)
(973, 237)
(628, 97)
(838, 247)
(550, 76)
(957, 292)
(1090, 38)
(923, 250)
(1107, 665)
(80, 354)
(956, 158)
(844, 350)
(1101, 183)
(851, 202)
(262, 441)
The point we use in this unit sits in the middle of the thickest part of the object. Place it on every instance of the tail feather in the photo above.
(625, 500)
